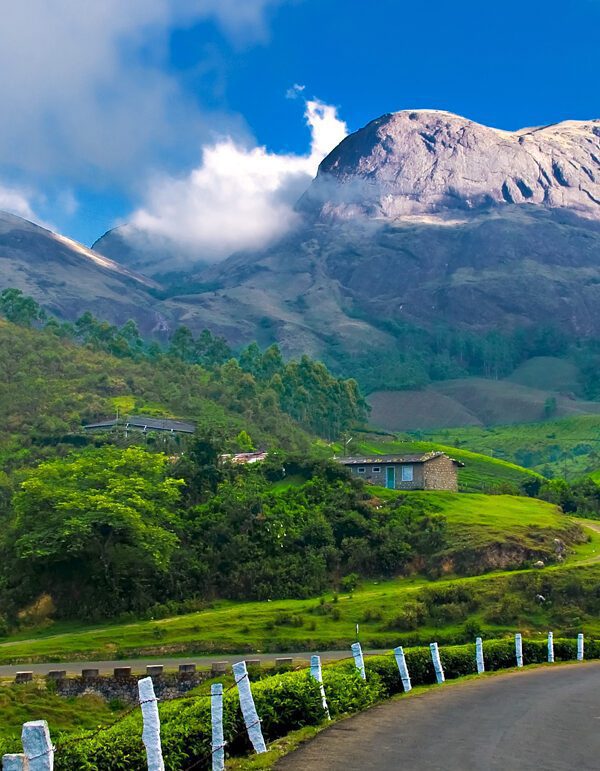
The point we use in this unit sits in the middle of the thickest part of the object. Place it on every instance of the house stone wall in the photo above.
(379, 477)
(440, 474)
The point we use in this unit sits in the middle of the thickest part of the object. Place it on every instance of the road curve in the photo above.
(544, 719)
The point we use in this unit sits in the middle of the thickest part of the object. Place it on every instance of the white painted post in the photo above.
(151, 730)
(403, 669)
(249, 712)
(358, 659)
(37, 746)
(218, 739)
(437, 663)
(479, 656)
(519, 649)
(15, 762)
(317, 674)
(550, 648)
(580, 646)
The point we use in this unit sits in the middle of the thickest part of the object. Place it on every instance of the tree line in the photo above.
(305, 390)
(108, 531)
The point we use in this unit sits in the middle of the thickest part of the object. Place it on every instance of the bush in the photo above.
(287, 702)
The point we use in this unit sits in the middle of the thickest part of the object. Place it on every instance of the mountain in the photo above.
(428, 162)
(424, 217)
(149, 253)
(68, 279)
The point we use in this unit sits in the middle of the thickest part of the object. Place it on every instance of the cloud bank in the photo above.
(87, 92)
(239, 197)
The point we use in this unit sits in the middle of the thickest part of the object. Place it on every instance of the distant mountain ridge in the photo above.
(420, 218)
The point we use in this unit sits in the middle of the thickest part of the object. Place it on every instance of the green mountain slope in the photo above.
(568, 448)
(480, 402)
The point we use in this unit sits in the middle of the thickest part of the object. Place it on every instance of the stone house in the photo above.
(425, 471)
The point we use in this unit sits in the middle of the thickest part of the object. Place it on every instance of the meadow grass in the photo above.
(569, 447)
(33, 701)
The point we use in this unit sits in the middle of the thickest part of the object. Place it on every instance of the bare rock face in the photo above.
(419, 162)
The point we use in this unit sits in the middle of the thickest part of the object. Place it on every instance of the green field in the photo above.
(477, 401)
(32, 701)
(410, 609)
(480, 473)
(567, 448)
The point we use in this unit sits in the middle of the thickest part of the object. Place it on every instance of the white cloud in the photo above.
(238, 197)
(16, 202)
(294, 91)
(85, 90)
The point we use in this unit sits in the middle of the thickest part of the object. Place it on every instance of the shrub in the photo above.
(287, 702)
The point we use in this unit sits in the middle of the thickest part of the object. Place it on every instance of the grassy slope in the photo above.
(469, 402)
(569, 447)
(480, 473)
(309, 624)
(548, 373)
(32, 702)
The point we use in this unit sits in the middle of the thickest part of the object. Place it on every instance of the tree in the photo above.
(95, 530)
(19, 308)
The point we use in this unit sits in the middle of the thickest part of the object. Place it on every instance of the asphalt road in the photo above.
(543, 719)
(139, 665)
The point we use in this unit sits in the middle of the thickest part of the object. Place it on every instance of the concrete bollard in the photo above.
(317, 673)
(23, 677)
(479, 656)
(187, 669)
(251, 719)
(90, 674)
(37, 746)
(402, 668)
(253, 663)
(15, 762)
(155, 670)
(550, 648)
(219, 668)
(151, 729)
(218, 738)
(359, 660)
(57, 674)
(121, 673)
(284, 662)
(519, 649)
(437, 663)
(580, 647)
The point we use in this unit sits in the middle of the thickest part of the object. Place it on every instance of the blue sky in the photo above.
(111, 109)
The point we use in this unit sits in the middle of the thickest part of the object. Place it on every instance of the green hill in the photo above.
(477, 402)
(568, 448)
(410, 609)
(481, 472)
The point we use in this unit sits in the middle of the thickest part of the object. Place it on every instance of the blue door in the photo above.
(390, 477)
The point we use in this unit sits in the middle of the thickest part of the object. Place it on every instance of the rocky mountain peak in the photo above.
(417, 162)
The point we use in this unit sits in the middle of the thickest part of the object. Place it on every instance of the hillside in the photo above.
(480, 402)
(566, 448)
(50, 386)
(410, 262)
(404, 610)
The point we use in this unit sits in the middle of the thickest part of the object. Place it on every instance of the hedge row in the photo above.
(286, 702)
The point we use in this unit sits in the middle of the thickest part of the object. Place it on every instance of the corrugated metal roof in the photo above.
(159, 424)
(378, 460)
(144, 422)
